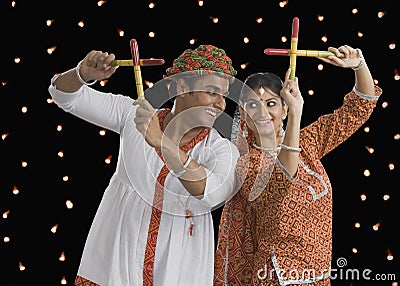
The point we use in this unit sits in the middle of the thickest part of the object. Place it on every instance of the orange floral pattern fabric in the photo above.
(80, 281)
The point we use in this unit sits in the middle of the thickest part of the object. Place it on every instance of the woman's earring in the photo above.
(244, 132)
(282, 132)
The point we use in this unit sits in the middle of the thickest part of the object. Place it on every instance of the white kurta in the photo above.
(115, 247)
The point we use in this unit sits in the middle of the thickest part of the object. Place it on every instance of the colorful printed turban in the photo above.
(204, 58)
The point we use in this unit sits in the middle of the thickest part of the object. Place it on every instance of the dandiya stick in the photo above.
(136, 68)
(301, 53)
(293, 47)
(142, 62)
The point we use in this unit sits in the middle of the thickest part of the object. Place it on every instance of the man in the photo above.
(154, 223)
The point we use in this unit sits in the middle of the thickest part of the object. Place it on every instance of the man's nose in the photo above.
(220, 102)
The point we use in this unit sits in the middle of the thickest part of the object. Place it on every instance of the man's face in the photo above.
(204, 99)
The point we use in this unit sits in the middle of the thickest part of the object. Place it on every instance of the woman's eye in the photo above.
(271, 103)
(253, 104)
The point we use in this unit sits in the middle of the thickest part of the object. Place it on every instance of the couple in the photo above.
(154, 223)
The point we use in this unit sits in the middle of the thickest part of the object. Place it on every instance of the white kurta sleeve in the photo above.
(220, 169)
(106, 110)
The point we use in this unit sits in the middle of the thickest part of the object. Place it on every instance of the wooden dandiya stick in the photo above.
(293, 47)
(136, 68)
(301, 53)
(142, 62)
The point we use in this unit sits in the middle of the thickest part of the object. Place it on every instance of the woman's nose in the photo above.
(263, 111)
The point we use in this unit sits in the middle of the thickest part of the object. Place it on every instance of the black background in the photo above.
(32, 137)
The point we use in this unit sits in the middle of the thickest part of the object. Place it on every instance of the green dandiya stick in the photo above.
(142, 62)
(302, 53)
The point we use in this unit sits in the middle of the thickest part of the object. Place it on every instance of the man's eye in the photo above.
(212, 93)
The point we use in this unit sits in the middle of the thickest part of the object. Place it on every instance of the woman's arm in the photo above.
(332, 129)
(353, 58)
(289, 153)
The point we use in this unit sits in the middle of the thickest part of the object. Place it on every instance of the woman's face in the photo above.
(264, 112)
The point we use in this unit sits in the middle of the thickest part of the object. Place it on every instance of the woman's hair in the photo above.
(258, 80)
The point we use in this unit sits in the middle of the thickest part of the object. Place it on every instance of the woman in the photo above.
(277, 229)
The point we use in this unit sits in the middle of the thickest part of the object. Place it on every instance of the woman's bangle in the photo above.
(289, 148)
(268, 149)
(359, 66)
(78, 67)
(362, 62)
(185, 165)
(365, 96)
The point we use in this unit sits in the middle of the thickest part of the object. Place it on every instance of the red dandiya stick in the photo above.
(142, 62)
(293, 47)
(136, 68)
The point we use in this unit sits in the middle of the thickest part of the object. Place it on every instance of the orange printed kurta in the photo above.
(284, 236)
